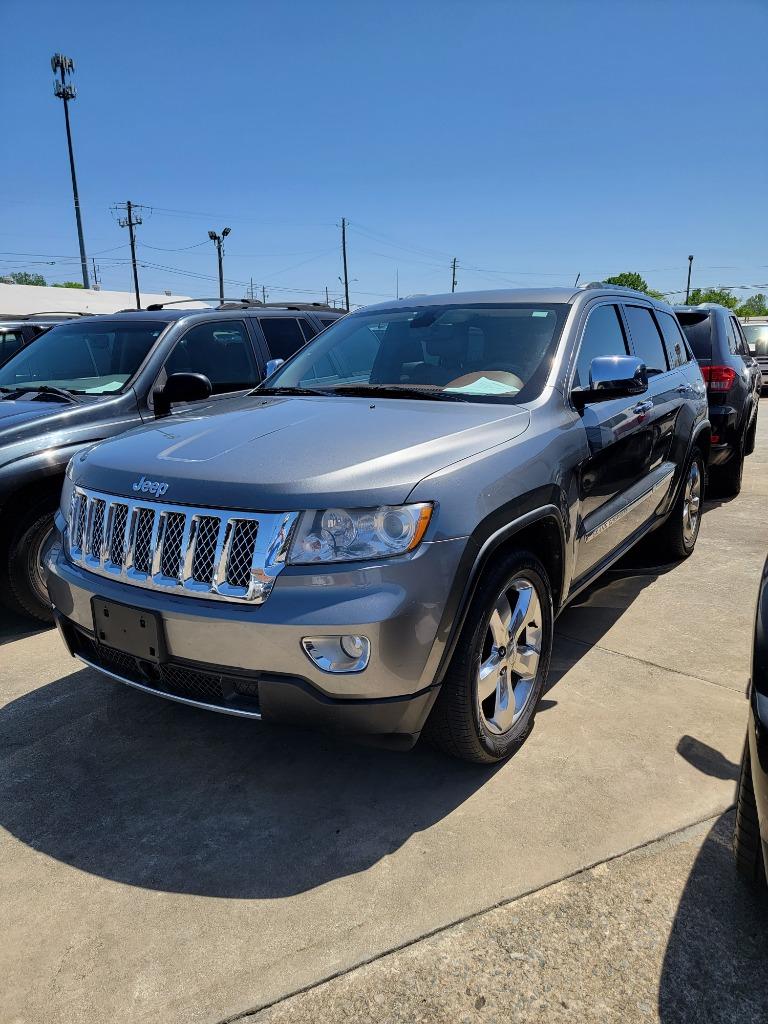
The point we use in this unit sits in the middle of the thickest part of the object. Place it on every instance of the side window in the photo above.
(741, 345)
(308, 329)
(326, 321)
(603, 336)
(283, 336)
(10, 342)
(733, 338)
(222, 351)
(674, 342)
(646, 339)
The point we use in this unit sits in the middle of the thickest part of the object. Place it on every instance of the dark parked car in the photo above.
(98, 376)
(733, 385)
(756, 332)
(378, 539)
(751, 833)
(16, 333)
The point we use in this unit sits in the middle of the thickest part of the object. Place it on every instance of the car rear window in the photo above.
(698, 331)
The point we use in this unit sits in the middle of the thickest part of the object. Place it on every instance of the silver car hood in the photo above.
(275, 454)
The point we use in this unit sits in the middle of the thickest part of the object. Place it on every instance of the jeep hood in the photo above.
(276, 453)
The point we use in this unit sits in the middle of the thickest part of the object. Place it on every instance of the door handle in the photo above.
(642, 407)
(684, 389)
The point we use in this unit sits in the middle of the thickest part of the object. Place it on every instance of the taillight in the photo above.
(718, 378)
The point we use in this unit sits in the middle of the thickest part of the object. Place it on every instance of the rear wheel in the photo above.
(487, 702)
(726, 480)
(751, 436)
(678, 535)
(27, 591)
(747, 846)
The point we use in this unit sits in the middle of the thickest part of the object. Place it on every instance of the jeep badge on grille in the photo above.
(157, 488)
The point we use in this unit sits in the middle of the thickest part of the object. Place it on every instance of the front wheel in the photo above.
(487, 702)
(747, 846)
(27, 592)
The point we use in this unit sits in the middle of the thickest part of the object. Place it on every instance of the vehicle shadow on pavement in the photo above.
(16, 627)
(154, 794)
(714, 967)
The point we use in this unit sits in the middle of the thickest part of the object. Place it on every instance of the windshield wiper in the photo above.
(44, 389)
(289, 391)
(432, 392)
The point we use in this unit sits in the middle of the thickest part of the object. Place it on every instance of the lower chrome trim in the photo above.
(170, 696)
(665, 481)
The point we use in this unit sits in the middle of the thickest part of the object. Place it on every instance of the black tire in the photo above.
(674, 539)
(26, 592)
(747, 846)
(749, 447)
(726, 480)
(457, 724)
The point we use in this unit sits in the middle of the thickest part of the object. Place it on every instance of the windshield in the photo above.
(757, 338)
(478, 352)
(92, 359)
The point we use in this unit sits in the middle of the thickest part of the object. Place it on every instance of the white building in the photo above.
(22, 299)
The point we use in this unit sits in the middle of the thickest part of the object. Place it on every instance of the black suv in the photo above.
(733, 383)
(97, 376)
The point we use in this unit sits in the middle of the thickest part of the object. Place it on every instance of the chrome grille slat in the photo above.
(220, 555)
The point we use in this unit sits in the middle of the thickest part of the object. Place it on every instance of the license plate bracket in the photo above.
(130, 630)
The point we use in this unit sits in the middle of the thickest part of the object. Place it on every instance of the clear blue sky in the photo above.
(533, 141)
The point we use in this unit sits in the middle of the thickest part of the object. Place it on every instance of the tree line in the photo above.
(755, 305)
(22, 277)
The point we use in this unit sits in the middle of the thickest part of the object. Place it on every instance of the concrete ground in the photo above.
(163, 864)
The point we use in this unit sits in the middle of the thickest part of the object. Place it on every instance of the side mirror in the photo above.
(612, 377)
(272, 365)
(181, 387)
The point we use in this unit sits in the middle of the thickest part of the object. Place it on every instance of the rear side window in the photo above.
(646, 339)
(326, 322)
(309, 329)
(283, 336)
(741, 346)
(603, 336)
(674, 342)
(697, 328)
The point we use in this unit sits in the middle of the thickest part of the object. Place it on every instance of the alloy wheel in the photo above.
(691, 503)
(510, 658)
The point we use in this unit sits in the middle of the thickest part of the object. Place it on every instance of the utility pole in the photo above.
(344, 259)
(96, 281)
(218, 241)
(263, 295)
(688, 286)
(130, 221)
(397, 282)
(453, 275)
(326, 296)
(65, 91)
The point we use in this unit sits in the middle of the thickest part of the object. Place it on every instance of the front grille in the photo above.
(179, 680)
(229, 556)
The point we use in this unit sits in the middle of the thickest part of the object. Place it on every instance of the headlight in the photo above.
(343, 535)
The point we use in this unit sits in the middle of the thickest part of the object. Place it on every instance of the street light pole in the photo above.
(65, 91)
(688, 286)
(218, 241)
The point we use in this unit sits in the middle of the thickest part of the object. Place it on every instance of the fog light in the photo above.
(338, 654)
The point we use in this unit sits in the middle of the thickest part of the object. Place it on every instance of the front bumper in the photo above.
(249, 660)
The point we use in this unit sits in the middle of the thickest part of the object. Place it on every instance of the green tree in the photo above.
(755, 305)
(722, 296)
(22, 277)
(69, 284)
(631, 279)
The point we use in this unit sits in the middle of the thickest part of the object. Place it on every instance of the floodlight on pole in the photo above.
(66, 92)
(218, 241)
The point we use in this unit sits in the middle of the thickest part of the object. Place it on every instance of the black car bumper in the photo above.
(725, 433)
(758, 752)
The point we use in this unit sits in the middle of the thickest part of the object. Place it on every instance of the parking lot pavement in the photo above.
(665, 934)
(160, 863)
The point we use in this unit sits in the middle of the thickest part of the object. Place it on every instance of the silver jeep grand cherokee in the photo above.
(378, 539)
